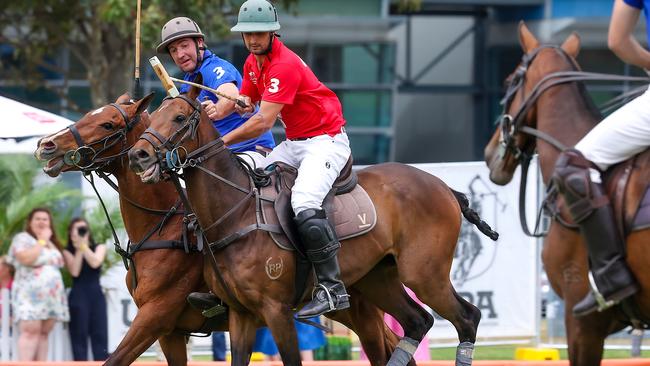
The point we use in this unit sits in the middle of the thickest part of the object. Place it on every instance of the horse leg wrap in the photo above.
(404, 352)
(464, 354)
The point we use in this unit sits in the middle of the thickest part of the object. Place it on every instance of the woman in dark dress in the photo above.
(88, 317)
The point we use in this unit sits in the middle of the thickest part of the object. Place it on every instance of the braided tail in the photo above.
(473, 217)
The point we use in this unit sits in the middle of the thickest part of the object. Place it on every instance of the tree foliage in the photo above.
(20, 193)
(23, 188)
(100, 35)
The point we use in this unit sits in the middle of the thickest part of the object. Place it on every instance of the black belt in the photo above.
(302, 138)
(307, 138)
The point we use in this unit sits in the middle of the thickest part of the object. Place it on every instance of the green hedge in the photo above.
(336, 348)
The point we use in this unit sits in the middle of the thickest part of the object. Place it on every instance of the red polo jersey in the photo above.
(310, 108)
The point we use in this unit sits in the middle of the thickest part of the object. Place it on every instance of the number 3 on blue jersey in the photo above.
(275, 85)
(219, 71)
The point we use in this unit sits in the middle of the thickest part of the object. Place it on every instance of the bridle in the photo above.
(176, 156)
(513, 125)
(93, 150)
(96, 163)
(171, 161)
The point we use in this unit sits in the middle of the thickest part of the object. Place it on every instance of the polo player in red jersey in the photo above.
(316, 143)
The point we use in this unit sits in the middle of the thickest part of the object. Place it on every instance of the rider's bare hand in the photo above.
(210, 108)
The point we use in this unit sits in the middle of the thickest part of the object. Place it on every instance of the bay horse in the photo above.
(418, 223)
(165, 277)
(548, 116)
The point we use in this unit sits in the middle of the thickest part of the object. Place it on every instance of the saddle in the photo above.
(631, 213)
(348, 206)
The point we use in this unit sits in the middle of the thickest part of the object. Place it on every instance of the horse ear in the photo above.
(143, 103)
(526, 38)
(123, 98)
(572, 45)
(194, 91)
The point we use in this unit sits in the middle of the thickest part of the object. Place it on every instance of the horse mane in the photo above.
(589, 104)
(589, 101)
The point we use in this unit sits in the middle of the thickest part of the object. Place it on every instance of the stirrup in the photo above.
(214, 311)
(600, 299)
(330, 299)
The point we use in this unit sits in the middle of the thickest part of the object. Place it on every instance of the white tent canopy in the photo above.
(21, 120)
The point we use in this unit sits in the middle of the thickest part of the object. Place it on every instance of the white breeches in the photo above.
(621, 135)
(319, 161)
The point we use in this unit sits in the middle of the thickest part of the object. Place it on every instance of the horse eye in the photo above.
(180, 118)
(107, 126)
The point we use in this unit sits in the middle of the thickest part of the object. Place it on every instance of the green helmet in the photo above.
(257, 16)
(177, 28)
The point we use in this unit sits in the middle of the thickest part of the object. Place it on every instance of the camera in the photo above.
(82, 230)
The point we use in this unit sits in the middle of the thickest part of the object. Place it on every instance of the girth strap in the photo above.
(161, 244)
(222, 243)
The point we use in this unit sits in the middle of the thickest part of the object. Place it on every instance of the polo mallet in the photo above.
(137, 93)
(168, 83)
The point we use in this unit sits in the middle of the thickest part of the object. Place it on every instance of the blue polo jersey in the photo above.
(644, 5)
(215, 72)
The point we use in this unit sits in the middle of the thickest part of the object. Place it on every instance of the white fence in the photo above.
(59, 348)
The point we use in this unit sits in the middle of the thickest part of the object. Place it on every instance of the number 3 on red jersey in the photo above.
(275, 85)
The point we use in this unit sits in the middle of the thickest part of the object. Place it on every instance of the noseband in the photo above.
(75, 157)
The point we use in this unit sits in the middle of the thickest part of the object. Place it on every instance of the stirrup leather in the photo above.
(600, 299)
(330, 299)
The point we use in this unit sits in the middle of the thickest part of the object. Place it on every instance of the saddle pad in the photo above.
(352, 214)
(642, 217)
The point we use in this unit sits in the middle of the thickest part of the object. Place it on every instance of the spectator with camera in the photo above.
(88, 317)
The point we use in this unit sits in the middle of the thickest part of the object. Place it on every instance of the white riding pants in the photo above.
(621, 135)
(319, 161)
(253, 158)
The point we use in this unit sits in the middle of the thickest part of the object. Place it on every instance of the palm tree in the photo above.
(21, 190)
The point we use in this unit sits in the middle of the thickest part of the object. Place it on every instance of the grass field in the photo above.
(481, 353)
(508, 353)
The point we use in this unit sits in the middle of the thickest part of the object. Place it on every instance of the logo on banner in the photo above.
(475, 253)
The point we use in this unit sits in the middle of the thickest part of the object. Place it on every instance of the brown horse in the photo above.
(554, 117)
(413, 242)
(160, 292)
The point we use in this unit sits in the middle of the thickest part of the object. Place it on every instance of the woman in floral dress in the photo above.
(38, 296)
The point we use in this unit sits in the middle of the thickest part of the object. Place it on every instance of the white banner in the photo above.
(119, 304)
(500, 278)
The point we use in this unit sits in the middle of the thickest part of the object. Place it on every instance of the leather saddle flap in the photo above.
(352, 214)
(616, 181)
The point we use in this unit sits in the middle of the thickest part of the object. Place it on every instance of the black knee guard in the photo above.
(317, 235)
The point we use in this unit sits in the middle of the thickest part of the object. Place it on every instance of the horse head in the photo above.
(172, 136)
(511, 144)
(96, 140)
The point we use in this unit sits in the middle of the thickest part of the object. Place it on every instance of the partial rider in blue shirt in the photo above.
(183, 40)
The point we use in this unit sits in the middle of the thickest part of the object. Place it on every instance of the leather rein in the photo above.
(511, 126)
(96, 163)
(172, 161)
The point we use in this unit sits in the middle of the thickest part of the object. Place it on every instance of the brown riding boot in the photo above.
(610, 278)
(321, 245)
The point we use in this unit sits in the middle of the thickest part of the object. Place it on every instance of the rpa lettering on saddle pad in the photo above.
(482, 270)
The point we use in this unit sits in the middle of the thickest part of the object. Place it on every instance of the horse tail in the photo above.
(473, 216)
